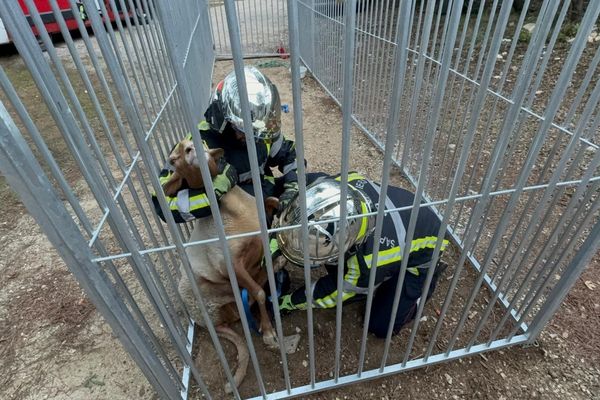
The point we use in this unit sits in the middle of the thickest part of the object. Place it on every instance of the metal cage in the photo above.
(451, 93)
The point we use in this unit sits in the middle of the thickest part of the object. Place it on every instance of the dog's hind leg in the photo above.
(243, 356)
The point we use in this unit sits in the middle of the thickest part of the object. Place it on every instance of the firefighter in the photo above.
(223, 127)
(323, 202)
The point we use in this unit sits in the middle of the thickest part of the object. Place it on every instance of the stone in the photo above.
(529, 27)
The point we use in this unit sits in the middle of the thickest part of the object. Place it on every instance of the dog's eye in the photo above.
(172, 161)
(187, 151)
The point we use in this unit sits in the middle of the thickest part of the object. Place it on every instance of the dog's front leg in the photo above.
(247, 282)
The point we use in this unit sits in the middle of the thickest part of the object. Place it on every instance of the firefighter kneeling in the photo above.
(323, 203)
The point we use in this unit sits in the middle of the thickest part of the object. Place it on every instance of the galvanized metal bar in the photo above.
(424, 204)
(527, 102)
(415, 210)
(102, 79)
(574, 162)
(526, 110)
(115, 46)
(87, 83)
(36, 136)
(18, 165)
(542, 283)
(378, 55)
(532, 54)
(577, 265)
(416, 92)
(234, 38)
(446, 147)
(434, 112)
(130, 58)
(294, 48)
(45, 37)
(393, 369)
(362, 62)
(112, 60)
(553, 105)
(542, 207)
(9, 90)
(401, 57)
(567, 215)
(348, 73)
(469, 139)
(539, 284)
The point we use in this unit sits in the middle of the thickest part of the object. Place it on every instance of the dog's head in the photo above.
(184, 160)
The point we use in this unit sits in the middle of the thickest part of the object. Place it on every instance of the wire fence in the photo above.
(262, 24)
(496, 129)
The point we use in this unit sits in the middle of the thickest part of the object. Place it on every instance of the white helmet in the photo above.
(323, 200)
(265, 105)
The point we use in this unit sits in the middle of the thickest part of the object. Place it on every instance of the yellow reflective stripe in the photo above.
(385, 257)
(270, 178)
(164, 179)
(352, 177)
(203, 126)
(196, 202)
(353, 271)
(414, 271)
(395, 253)
(273, 245)
(172, 203)
(427, 243)
(268, 143)
(365, 222)
(199, 201)
(329, 301)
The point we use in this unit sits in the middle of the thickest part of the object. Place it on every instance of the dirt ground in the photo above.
(53, 344)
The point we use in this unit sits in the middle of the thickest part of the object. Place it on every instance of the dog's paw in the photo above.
(270, 340)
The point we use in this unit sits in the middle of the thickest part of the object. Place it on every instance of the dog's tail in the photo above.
(242, 351)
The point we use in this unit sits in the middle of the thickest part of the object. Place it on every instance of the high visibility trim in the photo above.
(365, 222)
(353, 272)
(354, 176)
(273, 245)
(329, 301)
(276, 146)
(203, 126)
(271, 179)
(199, 201)
(290, 167)
(394, 254)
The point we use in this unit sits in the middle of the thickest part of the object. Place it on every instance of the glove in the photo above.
(225, 180)
(285, 304)
(291, 190)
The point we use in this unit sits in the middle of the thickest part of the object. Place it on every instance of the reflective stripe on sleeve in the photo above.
(276, 146)
(290, 167)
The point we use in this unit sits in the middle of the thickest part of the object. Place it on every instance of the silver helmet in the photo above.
(265, 105)
(323, 203)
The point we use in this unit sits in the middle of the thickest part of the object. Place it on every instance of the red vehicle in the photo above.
(49, 20)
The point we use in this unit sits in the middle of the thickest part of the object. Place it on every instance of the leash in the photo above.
(249, 317)
(245, 301)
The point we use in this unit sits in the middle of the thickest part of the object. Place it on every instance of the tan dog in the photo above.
(239, 214)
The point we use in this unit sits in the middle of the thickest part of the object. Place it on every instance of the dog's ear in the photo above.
(172, 186)
(271, 206)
